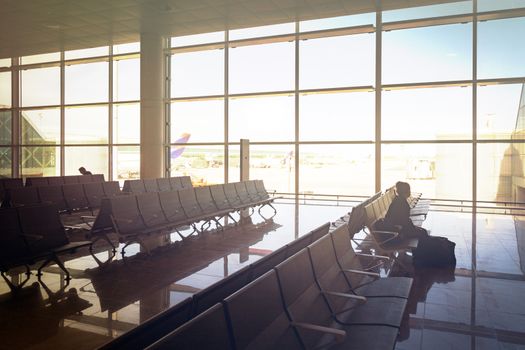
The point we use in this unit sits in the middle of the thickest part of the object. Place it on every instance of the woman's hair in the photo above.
(402, 188)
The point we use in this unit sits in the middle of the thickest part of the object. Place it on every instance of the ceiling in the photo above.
(39, 26)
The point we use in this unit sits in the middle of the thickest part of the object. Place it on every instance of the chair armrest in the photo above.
(339, 334)
(373, 256)
(366, 273)
(394, 236)
(345, 295)
(34, 237)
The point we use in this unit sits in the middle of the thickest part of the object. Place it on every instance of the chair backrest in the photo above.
(36, 181)
(55, 180)
(94, 192)
(151, 185)
(299, 244)
(218, 291)
(269, 326)
(75, 196)
(12, 183)
(268, 262)
(185, 181)
(134, 186)
(370, 216)
(259, 184)
(44, 221)
(163, 184)
(23, 196)
(153, 329)
(240, 187)
(97, 178)
(252, 190)
(150, 209)
(73, 179)
(111, 188)
(302, 298)
(321, 231)
(208, 330)
(171, 206)
(357, 218)
(217, 193)
(125, 214)
(231, 195)
(175, 183)
(53, 194)
(13, 247)
(327, 271)
(103, 221)
(205, 199)
(189, 203)
(84, 179)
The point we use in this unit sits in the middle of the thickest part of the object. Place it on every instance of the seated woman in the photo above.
(398, 214)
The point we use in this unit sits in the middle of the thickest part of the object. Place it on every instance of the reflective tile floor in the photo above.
(462, 309)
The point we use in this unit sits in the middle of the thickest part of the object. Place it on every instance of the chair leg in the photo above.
(15, 288)
(56, 260)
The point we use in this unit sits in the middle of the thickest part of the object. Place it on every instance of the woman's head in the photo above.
(403, 189)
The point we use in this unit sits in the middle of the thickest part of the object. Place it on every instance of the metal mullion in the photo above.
(15, 118)
(226, 98)
(62, 114)
(110, 114)
(167, 108)
(297, 119)
(474, 163)
(378, 92)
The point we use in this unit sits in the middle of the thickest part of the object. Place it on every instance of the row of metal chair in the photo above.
(67, 198)
(30, 234)
(137, 215)
(62, 180)
(155, 185)
(309, 301)
(160, 325)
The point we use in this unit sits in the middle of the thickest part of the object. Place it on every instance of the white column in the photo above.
(152, 119)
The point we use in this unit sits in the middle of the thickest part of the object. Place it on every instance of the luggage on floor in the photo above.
(434, 251)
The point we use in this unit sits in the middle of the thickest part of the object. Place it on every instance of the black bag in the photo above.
(434, 251)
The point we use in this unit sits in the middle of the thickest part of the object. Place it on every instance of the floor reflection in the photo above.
(458, 309)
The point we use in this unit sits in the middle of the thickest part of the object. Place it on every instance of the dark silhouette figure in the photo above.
(398, 214)
(83, 171)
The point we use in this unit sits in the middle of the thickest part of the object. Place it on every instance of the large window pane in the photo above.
(254, 32)
(47, 57)
(337, 116)
(500, 50)
(40, 161)
(5, 62)
(5, 161)
(41, 87)
(427, 114)
(197, 73)
(126, 163)
(274, 164)
(337, 22)
(197, 121)
(126, 48)
(86, 124)
(126, 123)
(337, 61)
(498, 111)
(440, 171)
(126, 80)
(197, 39)
(205, 164)
(453, 8)
(94, 159)
(337, 169)
(492, 5)
(86, 83)
(268, 67)
(436, 53)
(40, 126)
(84, 53)
(268, 118)
(500, 172)
(5, 127)
(5, 90)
